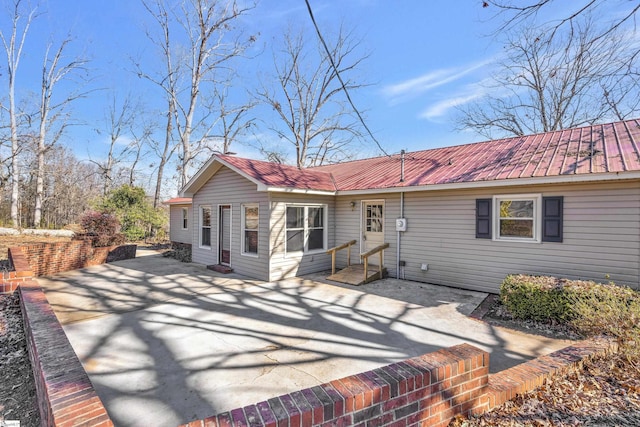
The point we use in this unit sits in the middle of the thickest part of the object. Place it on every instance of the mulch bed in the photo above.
(604, 391)
(17, 388)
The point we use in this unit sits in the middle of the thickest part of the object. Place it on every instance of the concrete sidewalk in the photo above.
(166, 342)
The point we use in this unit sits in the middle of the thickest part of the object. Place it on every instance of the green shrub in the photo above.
(590, 308)
(539, 298)
(608, 310)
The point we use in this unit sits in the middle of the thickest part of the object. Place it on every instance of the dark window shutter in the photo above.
(483, 218)
(552, 219)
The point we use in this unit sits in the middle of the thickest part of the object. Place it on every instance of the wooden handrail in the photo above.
(374, 250)
(365, 256)
(333, 251)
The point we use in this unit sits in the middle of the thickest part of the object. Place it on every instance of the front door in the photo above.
(372, 224)
(224, 233)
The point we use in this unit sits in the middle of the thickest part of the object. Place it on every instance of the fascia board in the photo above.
(562, 179)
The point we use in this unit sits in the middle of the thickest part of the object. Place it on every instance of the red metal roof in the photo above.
(178, 201)
(605, 148)
(278, 175)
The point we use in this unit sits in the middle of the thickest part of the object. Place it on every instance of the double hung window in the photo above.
(305, 228)
(250, 221)
(205, 226)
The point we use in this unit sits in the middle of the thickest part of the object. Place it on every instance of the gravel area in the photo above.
(17, 389)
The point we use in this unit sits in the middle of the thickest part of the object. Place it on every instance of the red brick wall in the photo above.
(10, 280)
(429, 390)
(65, 394)
(43, 259)
(50, 258)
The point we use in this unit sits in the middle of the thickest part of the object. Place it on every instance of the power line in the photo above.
(344, 87)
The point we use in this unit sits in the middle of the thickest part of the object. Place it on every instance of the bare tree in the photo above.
(207, 26)
(554, 80)
(234, 120)
(73, 185)
(52, 114)
(515, 13)
(309, 100)
(120, 118)
(13, 44)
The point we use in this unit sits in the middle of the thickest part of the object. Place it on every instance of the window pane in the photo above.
(315, 217)
(516, 209)
(316, 239)
(295, 241)
(251, 218)
(295, 217)
(516, 228)
(206, 217)
(251, 242)
(206, 236)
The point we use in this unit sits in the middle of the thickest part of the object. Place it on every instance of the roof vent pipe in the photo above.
(401, 165)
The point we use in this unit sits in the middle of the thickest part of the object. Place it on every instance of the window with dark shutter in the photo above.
(552, 219)
(483, 218)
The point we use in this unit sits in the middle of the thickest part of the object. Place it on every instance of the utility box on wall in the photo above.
(401, 224)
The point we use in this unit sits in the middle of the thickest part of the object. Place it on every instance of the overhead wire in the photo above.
(344, 87)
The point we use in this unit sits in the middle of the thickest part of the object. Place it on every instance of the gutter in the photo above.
(514, 182)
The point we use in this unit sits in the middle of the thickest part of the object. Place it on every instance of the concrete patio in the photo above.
(165, 342)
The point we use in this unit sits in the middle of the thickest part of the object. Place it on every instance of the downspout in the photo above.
(401, 216)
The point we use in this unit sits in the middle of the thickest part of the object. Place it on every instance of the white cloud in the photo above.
(411, 88)
(441, 108)
(468, 94)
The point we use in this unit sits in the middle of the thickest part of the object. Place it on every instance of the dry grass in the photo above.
(7, 242)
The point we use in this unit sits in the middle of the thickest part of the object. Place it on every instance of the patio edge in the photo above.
(431, 390)
(64, 392)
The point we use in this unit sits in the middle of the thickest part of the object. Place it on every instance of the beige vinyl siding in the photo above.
(228, 188)
(176, 232)
(289, 265)
(601, 238)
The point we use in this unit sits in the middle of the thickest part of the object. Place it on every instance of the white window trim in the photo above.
(200, 226)
(325, 232)
(537, 217)
(242, 229)
(185, 217)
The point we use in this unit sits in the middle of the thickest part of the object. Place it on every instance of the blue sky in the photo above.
(424, 57)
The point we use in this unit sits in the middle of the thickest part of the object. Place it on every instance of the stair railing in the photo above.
(365, 257)
(333, 251)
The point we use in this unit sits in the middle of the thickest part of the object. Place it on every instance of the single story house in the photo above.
(564, 203)
(180, 221)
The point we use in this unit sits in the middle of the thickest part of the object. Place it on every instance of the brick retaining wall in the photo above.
(43, 259)
(50, 258)
(65, 394)
(21, 273)
(429, 390)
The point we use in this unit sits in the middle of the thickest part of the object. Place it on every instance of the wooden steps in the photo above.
(354, 275)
